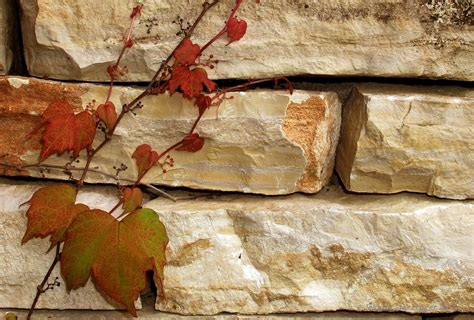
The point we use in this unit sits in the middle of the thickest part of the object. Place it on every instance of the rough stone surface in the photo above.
(22, 268)
(152, 314)
(398, 138)
(261, 142)
(323, 252)
(6, 35)
(423, 38)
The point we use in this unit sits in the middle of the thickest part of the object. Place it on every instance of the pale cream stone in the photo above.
(77, 40)
(152, 314)
(267, 142)
(22, 267)
(399, 138)
(313, 253)
(6, 35)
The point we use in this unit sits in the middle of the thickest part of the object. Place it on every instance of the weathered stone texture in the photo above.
(6, 35)
(323, 37)
(22, 268)
(398, 138)
(152, 314)
(323, 252)
(265, 142)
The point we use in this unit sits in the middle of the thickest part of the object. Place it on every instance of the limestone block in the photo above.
(267, 142)
(427, 39)
(152, 314)
(6, 35)
(22, 268)
(313, 253)
(398, 138)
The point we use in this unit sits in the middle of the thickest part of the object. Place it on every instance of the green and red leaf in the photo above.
(116, 254)
(107, 114)
(145, 158)
(51, 211)
(132, 199)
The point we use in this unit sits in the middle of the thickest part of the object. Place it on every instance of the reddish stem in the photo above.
(245, 86)
(224, 29)
(41, 289)
(126, 108)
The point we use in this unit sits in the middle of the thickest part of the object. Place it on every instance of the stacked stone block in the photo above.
(356, 196)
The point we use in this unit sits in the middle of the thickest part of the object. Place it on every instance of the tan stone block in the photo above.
(22, 267)
(399, 138)
(325, 252)
(321, 37)
(267, 142)
(152, 314)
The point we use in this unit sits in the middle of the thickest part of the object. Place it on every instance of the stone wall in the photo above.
(354, 195)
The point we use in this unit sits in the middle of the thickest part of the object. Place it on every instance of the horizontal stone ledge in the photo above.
(151, 314)
(267, 142)
(399, 138)
(315, 253)
(257, 255)
(339, 38)
(22, 267)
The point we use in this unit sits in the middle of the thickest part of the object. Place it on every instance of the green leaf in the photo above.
(153, 239)
(116, 254)
(51, 211)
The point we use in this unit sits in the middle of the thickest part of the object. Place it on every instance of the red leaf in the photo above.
(51, 211)
(145, 158)
(107, 114)
(236, 29)
(85, 132)
(132, 199)
(192, 143)
(116, 254)
(191, 82)
(56, 108)
(203, 102)
(187, 52)
(65, 131)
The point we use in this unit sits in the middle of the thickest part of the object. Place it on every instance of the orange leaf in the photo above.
(65, 131)
(132, 199)
(191, 82)
(116, 254)
(145, 158)
(107, 114)
(187, 52)
(192, 143)
(85, 132)
(52, 209)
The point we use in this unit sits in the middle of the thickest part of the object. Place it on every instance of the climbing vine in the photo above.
(117, 252)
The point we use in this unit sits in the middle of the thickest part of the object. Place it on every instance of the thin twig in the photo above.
(40, 289)
(163, 193)
(109, 175)
(91, 153)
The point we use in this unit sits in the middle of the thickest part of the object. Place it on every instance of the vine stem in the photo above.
(161, 75)
(41, 289)
(126, 108)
